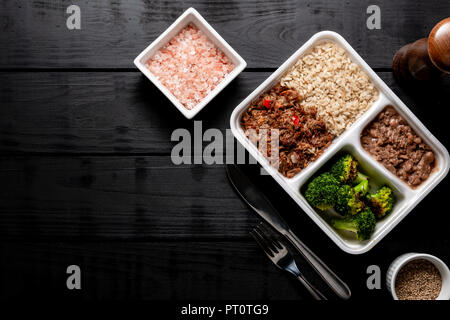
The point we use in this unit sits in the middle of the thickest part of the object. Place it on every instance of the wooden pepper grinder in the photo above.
(427, 58)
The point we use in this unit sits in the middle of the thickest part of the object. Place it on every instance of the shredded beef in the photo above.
(303, 136)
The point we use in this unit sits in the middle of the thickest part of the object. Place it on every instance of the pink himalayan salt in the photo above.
(190, 66)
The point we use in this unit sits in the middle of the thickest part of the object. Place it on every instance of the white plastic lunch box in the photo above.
(406, 197)
(190, 16)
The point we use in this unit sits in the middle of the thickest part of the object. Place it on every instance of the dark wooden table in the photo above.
(85, 170)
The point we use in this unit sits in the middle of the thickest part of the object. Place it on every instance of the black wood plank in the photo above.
(149, 198)
(175, 270)
(122, 113)
(189, 270)
(117, 198)
(181, 270)
(100, 112)
(265, 33)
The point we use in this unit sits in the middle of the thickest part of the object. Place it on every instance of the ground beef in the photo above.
(391, 141)
(303, 136)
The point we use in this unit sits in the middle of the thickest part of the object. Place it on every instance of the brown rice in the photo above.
(329, 81)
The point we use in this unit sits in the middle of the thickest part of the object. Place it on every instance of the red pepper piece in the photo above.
(296, 120)
(267, 103)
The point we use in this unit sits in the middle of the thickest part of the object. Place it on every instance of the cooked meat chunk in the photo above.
(391, 141)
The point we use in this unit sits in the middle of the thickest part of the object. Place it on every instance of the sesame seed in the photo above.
(418, 280)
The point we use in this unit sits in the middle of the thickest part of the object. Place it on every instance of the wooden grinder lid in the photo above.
(439, 45)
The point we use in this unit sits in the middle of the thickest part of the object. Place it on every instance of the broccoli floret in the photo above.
(322, 191)
(345, 169)
(381, 202)
(362, 188)
(363, 224)
(348, 202)
(360, 178)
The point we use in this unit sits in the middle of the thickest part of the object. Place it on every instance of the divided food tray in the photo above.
(406, 197)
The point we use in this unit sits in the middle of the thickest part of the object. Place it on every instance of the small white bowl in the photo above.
(398, 263)
(190, 16)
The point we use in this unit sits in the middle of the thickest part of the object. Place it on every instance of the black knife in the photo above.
(259, 203)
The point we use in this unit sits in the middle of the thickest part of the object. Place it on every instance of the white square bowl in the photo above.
(190, 16)
(407, 198)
